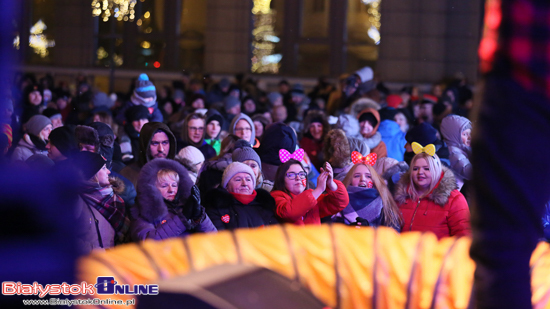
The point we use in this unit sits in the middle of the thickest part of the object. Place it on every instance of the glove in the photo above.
(361, 222)
(192, 209)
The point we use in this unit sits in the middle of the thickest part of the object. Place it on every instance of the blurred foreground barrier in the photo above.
(345, 267)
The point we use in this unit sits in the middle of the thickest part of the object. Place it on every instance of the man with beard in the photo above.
(156, 141)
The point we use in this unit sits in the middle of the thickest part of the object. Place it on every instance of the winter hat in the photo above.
(394, 100)
(36, 124)
(276, 137)
(52, 113)
(235, 168)
(39, 162)
(63, 138)
(243, 152)
(365, 74)
(86, 135)
(387, 113)
(102, 99)
(137, 112)
(423, 134)
(368, 117)
(192, 154)
(273, 96)
(230, 102)
(106, 139)
(105, 134)
(213, 114)
(144, 87)
(89, 163)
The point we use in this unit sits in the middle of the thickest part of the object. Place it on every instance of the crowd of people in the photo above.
(205, 156)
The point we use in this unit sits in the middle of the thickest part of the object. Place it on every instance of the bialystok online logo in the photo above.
(104, 286)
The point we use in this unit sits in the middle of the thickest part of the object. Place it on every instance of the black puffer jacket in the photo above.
(227, 213)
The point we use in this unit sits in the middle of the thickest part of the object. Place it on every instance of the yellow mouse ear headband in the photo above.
(429, 149)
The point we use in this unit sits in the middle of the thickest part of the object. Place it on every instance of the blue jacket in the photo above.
(394, 139)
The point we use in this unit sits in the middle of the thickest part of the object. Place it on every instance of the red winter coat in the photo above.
(304, 209)
(444, 211)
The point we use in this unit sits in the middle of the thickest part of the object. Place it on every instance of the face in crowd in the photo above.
(241, 183)
(421, 174)
(243, 130)
(362, 177)
(159, 146)
(316, 130)
(195, 130)
(295, 179)
(213, 129)
(138, 124)
(102, 176)
(168, 186)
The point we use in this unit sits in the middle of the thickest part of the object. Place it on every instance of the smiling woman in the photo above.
(429, 200)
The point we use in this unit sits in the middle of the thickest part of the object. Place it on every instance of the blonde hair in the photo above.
(166, 175)
(391, 212)
(434, 165)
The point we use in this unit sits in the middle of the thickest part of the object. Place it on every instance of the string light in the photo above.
(38, 41)
(264, 59)
(119, 9)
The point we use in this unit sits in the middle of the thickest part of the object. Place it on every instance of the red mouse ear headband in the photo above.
(357, 157)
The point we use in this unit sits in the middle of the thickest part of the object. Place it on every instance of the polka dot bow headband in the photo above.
(429, 149)
(357, 157)
(284, 155)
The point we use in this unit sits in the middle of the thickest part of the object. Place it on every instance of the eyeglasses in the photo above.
(196, 129)
(292, 175)
(243, 129)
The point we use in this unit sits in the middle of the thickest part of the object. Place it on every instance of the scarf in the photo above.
(137, 100)
(37, 142)
(363, 203)
(110, 205)
(244, 198)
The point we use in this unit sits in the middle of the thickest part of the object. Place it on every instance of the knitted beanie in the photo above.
(423, 134)
(52, 113)
(63, 138)
(273, 96)
(235, 168)
(213, 114)
(89, 163)
(276, 137)
(144, 87)
(230, 102)
(36, 124)
(192, 154)
(243, 152)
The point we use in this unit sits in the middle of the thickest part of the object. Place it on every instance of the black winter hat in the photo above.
(368, 117)
(89, 163)
(63, 138)
(387, 113)
(276, 137)
(423, 134)
(137, 112)
(105, 134)
(213, 114)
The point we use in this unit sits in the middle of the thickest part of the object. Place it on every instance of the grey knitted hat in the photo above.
(36, 124)
(246, 153)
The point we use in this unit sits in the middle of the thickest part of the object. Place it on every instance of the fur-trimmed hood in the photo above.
(149, 201)
(439, 195)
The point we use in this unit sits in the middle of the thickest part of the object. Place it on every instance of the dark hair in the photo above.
(227, 146)
(280, 175)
